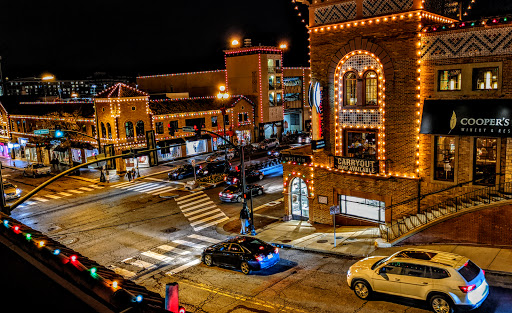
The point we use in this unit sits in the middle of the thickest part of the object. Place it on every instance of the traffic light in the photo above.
(58, 133)
(197, 130)
(170, 126)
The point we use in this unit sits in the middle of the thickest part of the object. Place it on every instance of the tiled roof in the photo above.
(121, 90)
(171, 106)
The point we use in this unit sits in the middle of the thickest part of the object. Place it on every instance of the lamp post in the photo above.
(223, 95)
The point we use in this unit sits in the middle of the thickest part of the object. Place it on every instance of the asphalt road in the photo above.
(153, 240)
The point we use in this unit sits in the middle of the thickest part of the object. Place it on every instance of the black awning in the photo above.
(474, 117)
(60, 149)
(194, 138)
(170, 142)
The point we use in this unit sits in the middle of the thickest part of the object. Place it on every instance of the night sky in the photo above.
(74, 39)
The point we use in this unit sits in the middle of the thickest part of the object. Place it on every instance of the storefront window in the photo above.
(444, 162)
(485, 78)
(169, 154)
(362, 145)
(450, 80)
(139, 128)
(244, 137)
(214, 121)
(299, 199)
(361, 207)
(484, 167)
(196, 147)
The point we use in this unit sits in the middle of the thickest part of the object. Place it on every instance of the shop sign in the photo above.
(356, 165)
(317, 144)
(296, 158)
(482, 117)
(41, 131)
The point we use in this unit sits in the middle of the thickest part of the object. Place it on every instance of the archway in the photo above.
(299, 199)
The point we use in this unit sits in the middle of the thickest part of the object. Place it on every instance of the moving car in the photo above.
(11, 191)
(242, 252)
(220, 156)
(36, 169)
(183, 171)
(234, 193)
(269, 143)
(214, 168)
(445, 280)
(234, 178)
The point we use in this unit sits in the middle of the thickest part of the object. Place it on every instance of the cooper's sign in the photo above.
(296, 158)
(482, 117)
(356, 165)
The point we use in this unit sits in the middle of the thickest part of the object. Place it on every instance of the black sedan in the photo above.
(234, 193)
(234, 178)
(183, 171)
(214, 168)
(242, 252)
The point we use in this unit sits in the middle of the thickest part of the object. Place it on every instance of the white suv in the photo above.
(444, 280)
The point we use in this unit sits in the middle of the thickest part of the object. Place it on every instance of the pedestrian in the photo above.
(107, 176)
(129, 174)
(134, 173)
(244, 220)
(102, 176)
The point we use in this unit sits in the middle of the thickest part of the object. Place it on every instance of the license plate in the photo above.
(270, 256)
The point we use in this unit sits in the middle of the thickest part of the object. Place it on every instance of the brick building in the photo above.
(383, 70)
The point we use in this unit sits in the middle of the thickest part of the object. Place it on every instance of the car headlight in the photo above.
(18, 191)
(349, 272)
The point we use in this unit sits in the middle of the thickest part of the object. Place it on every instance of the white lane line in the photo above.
(195, 217)
(183, 267)
(187, 214)
(140, 263)
(53, 196)
(200, 205)
(189, 200)
(188, 196)
(40, 199)
(65, 194)
(86, 189)
(75, 191)
(122, 272)
(157, 256)
(190, 244)
(161, 190)
(207, 219)
(204, 238)
(173, 249)
(144, 187)
(96, 186)
(210, 224)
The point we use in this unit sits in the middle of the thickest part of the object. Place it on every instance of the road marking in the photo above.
(190, 244)
(204, 238)
(122, 272)
(183, 267)
(195, 198)
(187, 214)
(143, 186)
(53, 196)
(195, 217)
(157, 179)
(210, 224)
(65, 194)
(75, 191)
(157, 256)
(96, 186)
(86, 189)
(139, 263)
(201, 205)
(162, 190)
(207, 219)
(40, 199)
(188, 196)
(124, 184)
(173, 249)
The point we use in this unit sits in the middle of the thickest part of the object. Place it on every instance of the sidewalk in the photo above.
(359, 242)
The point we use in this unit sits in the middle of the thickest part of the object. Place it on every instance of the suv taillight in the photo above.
(466, 289)
(260, 258)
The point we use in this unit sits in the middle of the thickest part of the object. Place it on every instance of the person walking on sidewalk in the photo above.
(107, 176)
(129, 174)
(244, 220)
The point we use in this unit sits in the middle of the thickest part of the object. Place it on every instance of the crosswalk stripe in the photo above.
(123, 184)
(131, 185)
(157, 256)
(86, 189)
(210, 224)
(187, 201)
(75, 191)
(207, 219)
(65, 194)
(53, 196)
(195, 217)
(187, 214)
(40, 199)
(188, 196)
(173, 249)
(161, 190)
(190, 244)
(183, 267)
(123, 272)
(200, 205)
(139, 263)
(96, 186)
(204, 238)
(142, 187)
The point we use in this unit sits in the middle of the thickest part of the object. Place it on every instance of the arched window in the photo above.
(139, 128)
(350, 83)
(128, 127)
(109, 131)
(103, 131)
(370, 88)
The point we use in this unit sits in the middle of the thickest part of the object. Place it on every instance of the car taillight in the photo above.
(225, 178)
(466, 289)
(259, 257)
(234, 180)
(276, 250)
(220, 194)
(230, 196)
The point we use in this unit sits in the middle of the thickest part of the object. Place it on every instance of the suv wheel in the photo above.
(362, 289)
(208, 260)
(238, 199)
(441, 304)
(246, 269)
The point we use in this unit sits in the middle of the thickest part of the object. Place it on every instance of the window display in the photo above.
(484, 167)
(299, 199)
(362, 145)
(444, 154)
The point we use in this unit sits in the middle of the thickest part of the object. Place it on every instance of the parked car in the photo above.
(274, 153)
(183, 171)
(444, 280)
(242, 252)
(234, 178)
(266, 144)
(36, 169)
(214, 168)
(220, 156)
(11, 191)
(234, 193)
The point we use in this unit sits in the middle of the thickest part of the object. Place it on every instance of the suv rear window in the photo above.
(469, 271)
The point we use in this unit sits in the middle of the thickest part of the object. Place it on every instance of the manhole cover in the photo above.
(322, 241)
(169, 230)
(286, 240)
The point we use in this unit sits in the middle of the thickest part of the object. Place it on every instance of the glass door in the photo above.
(484, 167)
(299, 199)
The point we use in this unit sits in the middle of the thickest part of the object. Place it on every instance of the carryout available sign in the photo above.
(356, 165)
(482, 117)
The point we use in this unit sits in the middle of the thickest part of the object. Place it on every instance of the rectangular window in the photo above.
(195, 122)
(450, 80)
(362, 145)
(214, 121)
(444, 158)
(361, 207)
(159, 127)
(484, 167)
(243, 117)
(485, 78)
(294, 119)
(173, 125)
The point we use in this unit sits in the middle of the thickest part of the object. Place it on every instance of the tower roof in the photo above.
(121, 90)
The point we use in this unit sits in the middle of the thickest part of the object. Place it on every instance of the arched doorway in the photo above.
(299, 199)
